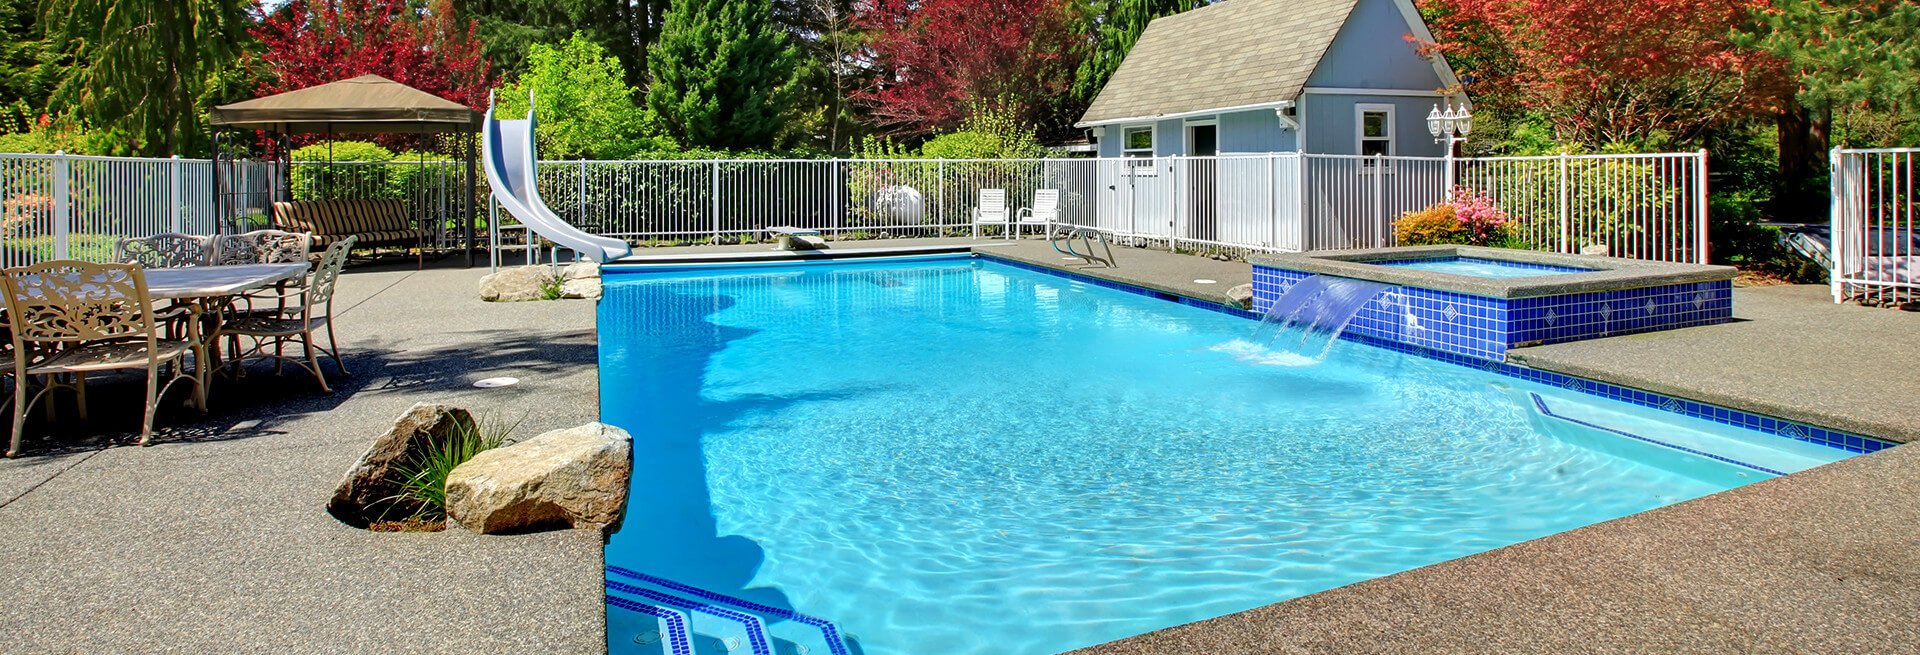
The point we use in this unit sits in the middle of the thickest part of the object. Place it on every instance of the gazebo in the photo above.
(369, 104)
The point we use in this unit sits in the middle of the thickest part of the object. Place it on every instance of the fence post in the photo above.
(940, 196)
(1700, 206)
(835, 179)
(1273, 201)
(1304, 224)
(580, 195)
(1379, 204)
(1566, 195)
(62, 211)
(176, 193)
(713, 202)
(1840, 201)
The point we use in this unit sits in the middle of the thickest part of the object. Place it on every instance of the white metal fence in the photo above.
(1644, 206)
(1872, 225)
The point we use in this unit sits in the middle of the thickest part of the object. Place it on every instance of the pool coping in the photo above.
(1610, 274)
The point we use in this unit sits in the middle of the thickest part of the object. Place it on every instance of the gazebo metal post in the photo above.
(467, 140)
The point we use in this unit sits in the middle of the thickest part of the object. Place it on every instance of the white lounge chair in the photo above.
(992, 210)
(1044, 212)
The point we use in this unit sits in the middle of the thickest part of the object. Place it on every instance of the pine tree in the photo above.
(722, 74)
(142, 65)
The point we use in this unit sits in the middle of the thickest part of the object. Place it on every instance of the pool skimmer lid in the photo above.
(495, 383)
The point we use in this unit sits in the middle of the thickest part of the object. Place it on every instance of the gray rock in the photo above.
(576, 477)
(366, 493)
(1241, 296)
(517, 284)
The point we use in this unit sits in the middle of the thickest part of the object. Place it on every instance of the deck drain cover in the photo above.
(494, 383)
(1206, 281)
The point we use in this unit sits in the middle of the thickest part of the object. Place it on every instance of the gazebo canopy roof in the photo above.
(362, 105)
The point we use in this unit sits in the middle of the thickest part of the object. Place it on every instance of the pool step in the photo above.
(783, 631)
(636, 627)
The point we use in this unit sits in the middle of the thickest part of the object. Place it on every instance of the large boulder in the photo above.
(580, 280)
(367, 492)
(575, 477)
(517, 284)
(1241, 296)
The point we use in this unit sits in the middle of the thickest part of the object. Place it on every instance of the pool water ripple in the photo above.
(978, 459)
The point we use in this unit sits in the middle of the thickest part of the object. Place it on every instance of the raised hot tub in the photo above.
(1481, 301)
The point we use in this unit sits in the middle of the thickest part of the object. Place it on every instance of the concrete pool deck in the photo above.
(216, 539)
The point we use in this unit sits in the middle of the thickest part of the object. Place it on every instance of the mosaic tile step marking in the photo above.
(678, 641)
(829, 632)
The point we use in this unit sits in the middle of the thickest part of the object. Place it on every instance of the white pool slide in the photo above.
(511, 165)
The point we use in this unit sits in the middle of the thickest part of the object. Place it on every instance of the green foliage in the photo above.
(584, 105)
(423, 478)
(142, 65)
(507, 29)
(722, 74)
(74, 140)
(1845, 52)
(984, 134)
(341, 180)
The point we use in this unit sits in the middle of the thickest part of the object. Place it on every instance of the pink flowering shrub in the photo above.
(1466, 218)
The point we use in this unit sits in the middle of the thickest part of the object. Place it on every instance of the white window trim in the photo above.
(1360, 110)
(1140, 165)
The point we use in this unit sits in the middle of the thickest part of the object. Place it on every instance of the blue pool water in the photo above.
(960, 457)
(1476, 267)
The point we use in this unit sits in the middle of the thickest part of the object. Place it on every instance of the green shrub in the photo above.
(342, 180)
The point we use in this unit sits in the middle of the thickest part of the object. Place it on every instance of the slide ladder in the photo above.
(512, 166)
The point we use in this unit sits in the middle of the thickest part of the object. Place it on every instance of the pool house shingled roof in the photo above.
(1228, 54)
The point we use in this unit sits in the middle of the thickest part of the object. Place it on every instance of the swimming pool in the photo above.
(961, 456)
(1476, 267)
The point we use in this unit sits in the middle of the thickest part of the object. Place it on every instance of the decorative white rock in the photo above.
(517, 284)
(575, 477)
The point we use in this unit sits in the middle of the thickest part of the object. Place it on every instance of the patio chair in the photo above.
(261, 247)
(165, 250)
(1044, 212)
(312, 313)
(992, 210)
(92, 317)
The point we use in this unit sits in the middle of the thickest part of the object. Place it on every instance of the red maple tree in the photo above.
(1606, 71)
(311, 42)
(940, 59)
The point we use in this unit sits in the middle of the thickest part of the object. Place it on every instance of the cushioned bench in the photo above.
(376, 222)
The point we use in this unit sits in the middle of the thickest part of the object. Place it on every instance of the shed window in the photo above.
(1375, 123)
(1137, 142)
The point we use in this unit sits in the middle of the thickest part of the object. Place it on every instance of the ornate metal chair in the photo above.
(261, 247)
(92, 317)
(300, 323)
(165, 250)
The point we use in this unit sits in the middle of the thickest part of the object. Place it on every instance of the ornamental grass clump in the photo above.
(1466, 218)
(423, 478)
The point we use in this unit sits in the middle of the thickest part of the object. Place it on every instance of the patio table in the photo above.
(201, 288)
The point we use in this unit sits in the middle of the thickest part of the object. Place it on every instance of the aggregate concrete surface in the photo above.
(216, 540)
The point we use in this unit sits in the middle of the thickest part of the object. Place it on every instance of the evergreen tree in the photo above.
(1854, 56)
(623, 28)
(1119, 25)
(142, 65)
(722, 74)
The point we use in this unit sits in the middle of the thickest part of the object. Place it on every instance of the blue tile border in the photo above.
(1756, 422)
(1541, 404)
(756, 633)
(679, 641)
(827, 629)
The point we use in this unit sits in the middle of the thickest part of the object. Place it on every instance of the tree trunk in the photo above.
(1801, 197)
